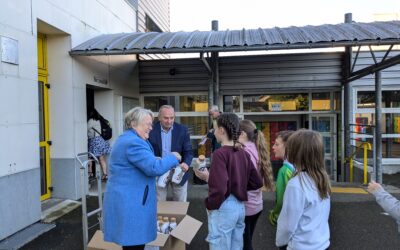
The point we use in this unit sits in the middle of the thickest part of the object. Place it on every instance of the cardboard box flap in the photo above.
(172, 207)
(159, 241)
(186, 229)
(97, 243)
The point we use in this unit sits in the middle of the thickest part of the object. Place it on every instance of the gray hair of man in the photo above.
(214, 108)
(136, 115)
(166, 107)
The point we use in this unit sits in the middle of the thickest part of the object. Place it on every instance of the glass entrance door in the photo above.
(325, 124)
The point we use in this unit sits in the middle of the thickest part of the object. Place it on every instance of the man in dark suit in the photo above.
(168, 136)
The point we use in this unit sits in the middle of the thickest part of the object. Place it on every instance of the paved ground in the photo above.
(356, 222)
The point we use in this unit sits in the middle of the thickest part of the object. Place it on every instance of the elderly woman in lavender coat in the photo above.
(130, 201)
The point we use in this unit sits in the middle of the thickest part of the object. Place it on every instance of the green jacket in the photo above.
(284, 175)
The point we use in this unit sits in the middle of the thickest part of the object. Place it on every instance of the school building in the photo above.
(45, 94)
(59, 59)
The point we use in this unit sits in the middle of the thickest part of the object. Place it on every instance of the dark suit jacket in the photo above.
(180, 143)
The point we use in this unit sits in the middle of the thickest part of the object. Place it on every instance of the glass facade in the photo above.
(296, 108)
(390, 121)
(197, 125)
(232, 103)
(321, 101)
(191, 111)
(275, 103)
(390, 99)
(194, 103)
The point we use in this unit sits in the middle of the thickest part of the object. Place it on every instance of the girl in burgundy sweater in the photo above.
(232, 174)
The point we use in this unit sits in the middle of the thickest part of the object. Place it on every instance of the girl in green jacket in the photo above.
(284, 174)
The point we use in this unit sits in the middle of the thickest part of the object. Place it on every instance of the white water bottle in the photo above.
(159, 223)
(165, 226)
(178, 174)
(201, 163)
(172, 224)
(163, 180)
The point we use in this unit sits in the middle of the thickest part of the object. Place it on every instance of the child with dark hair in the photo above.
(254, 143)
(303, 221)
(284, 173)
(231, 174)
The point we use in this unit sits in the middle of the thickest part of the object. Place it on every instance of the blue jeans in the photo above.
(226, 225)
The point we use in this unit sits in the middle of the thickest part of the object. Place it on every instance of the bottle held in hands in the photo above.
(178, 174)
(201, 163)
(163, 179)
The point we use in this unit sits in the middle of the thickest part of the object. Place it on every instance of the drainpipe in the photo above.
(210, 82)
(215, 60)
(378, 133)
(347, 104)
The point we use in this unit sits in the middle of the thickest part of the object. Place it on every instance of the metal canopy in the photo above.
(322, 36)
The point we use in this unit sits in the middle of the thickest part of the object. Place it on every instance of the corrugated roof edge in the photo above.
(353, 34)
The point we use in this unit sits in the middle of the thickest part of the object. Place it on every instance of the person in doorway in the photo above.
(168, 136)
(214, 113)
(284, 173)
(390, 204)
(303, 221)
(97, 145)
(231, 175)
(130, 204)
(254, 143)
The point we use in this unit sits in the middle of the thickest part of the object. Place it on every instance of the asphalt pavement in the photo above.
(356, 222)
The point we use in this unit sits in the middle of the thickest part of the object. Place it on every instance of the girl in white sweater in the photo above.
(303, 221)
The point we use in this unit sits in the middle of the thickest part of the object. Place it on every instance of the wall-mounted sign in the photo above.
(9, 50)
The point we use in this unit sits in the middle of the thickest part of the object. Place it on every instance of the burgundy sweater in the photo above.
(231, 172)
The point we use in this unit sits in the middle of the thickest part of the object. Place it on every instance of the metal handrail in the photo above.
(85, 215)
(367, 146)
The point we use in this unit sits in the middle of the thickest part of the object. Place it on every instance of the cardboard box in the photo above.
(183, 234)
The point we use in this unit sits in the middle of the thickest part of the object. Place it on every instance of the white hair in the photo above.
(136, 115)
(214, 108)
(166, 107)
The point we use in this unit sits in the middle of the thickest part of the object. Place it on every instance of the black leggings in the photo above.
(138, 247)
(250, 222)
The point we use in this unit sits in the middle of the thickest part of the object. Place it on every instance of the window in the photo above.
(275, 103)
(197, 125)
(232, 103)
(191, 111)
(390, 128)
(193, 103)
(336, 101)
(321, 101)
(390, 99)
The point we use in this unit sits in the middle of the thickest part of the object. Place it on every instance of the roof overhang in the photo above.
(307, 37)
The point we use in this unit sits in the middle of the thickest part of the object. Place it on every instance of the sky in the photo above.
(190, 15)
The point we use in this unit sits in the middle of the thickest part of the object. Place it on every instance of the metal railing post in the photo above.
(84, 179)
(83, 169)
